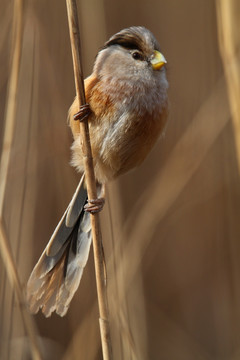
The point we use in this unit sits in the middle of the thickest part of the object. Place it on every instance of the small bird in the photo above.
(127, 107)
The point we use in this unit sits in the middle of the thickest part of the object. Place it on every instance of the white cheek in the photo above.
(137, 69)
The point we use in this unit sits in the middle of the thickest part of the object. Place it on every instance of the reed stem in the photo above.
(10, 120)
(91, 183)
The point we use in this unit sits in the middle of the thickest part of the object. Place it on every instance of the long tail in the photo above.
(57, 274)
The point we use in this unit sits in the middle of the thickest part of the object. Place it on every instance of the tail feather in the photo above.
(76, 205)
(57, 274)
(69, 219)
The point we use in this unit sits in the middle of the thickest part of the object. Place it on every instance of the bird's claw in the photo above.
(95, 205)
(83, 113)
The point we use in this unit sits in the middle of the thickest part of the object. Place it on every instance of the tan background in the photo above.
(171, 228)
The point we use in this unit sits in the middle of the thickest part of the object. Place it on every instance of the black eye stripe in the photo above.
(127, 45)
(131, 45)
(134, 38)
(127, 42)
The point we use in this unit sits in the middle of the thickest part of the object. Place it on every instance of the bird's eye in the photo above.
(137, 56)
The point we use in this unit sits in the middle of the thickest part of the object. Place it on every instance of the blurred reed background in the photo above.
(171, 228)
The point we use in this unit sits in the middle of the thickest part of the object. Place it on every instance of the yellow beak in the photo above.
(158, 60)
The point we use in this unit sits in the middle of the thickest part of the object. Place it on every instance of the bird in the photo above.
(127, 110)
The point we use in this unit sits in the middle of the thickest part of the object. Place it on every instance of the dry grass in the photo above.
(5, 248)
(229, 40)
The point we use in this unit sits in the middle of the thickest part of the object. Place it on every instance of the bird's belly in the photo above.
(120, 145)
(126, 145)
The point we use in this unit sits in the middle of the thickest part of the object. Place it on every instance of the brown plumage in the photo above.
(127, 94)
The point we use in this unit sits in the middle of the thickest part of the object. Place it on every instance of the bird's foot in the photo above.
(83, 113)
(95, 205)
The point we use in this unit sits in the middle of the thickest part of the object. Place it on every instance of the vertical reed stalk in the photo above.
(5, 247)
(91, 184)
(229, 43)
